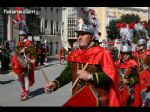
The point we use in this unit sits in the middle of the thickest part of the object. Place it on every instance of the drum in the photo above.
(18, 64)
(85, 97)
(23, 62)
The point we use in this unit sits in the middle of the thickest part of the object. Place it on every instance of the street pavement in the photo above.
(10, 88)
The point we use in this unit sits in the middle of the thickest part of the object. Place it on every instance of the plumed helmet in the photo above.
(22, 33)
(142, 42)
(125, 48)
(84, 28)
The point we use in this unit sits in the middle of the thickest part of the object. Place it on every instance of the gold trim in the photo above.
(97, 77)
(82, 66)
(77, 66)
(97, 99)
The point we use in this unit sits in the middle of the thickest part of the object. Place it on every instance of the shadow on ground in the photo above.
(6, 82)
(4, 72)
(51, 59)
(37, 92)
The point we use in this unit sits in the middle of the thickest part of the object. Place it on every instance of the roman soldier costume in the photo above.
(23, 65)
(128, 70)
(61, 55)
(143, 59)
(102, 90)
(45, 51)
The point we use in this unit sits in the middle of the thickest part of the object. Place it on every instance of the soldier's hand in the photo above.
(125, 80)
(22, 50)
(84, 75)
(49, 86)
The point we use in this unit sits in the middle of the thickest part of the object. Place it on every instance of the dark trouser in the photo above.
(5, 64)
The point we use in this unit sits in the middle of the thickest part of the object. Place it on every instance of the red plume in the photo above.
(124, 25)
(118, 25)
(131, 25)
(145, 24)
(92, 11)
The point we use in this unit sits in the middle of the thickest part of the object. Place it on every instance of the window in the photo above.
(56, 48)
(51, 48)
(51, 27)
(56, 10)
(51, 8)
(72, 20)
(57, 25)
(45, 23)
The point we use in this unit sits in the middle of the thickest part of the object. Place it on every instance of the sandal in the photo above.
(24, 96)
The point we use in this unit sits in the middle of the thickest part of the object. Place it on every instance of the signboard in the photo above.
(11, 44)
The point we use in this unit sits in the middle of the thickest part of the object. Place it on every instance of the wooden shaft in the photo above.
(77, 79)
(45, 77)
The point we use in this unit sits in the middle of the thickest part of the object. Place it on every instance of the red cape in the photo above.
(102, 57)
(124, 92)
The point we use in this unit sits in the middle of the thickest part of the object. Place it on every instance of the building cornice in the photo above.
(132, 9)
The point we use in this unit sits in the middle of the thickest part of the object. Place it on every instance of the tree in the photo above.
(128, 18)
(113, 32)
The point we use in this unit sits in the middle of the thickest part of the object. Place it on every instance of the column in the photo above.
(9, 28)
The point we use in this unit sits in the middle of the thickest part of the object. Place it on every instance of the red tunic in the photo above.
(18, 69)
(102, 57)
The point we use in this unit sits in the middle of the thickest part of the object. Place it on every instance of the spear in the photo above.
(45, 76)
(46, 79)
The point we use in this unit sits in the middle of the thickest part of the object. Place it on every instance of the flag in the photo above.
(20, 22)
(18, 15)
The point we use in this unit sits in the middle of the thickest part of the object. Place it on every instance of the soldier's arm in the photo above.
(100, 78)
(107, 69)
(133, 78)
(65, 77)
